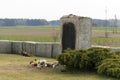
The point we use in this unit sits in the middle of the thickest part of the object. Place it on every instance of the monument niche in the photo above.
(76, 32)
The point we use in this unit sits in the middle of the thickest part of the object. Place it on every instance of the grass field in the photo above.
(49, 33)
(108, 28)
(110, 41)
(24, 33)
(16, 67)
(27, 38)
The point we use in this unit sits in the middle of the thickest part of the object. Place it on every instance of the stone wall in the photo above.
(43, 49)
(113, 49)
(5, 46)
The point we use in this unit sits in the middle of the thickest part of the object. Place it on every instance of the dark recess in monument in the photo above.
(68, 36)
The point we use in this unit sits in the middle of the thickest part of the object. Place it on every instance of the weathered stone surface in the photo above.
(17, 47)
(5, 46)
(43, 49)
(56, 49)
(29, 46)
(82, 26)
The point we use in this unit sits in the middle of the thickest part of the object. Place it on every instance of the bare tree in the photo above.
(55, 34)
(106, 30)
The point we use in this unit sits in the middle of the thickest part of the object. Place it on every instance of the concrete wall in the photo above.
(5, 46)
(16, 47)
(43, 49)
(113, 49)
(56, 49)
(29, 47)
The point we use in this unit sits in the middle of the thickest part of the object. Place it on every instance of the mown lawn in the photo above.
(16, 67)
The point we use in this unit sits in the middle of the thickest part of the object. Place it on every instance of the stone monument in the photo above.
(75, 32)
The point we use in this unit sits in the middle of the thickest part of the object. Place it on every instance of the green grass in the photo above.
(30, 27)
(109, 41)
(18, 58)
(106, 28)
(27, 38)
(104, 39)
(16, 67)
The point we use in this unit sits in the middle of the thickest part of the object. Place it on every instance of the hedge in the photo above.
(111, 66)
(102, 60)
(83, 59)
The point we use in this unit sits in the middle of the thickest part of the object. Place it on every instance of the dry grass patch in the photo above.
(16, 67)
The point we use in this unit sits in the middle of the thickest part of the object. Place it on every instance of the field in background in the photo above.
(106, 36)
(32, 33)
(16, 67)
(52, 34)
(108, 28)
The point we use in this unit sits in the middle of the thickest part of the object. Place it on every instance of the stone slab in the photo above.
(56, 49)
(17, 47)
(29, 47)
(5, 46)
(43, 49)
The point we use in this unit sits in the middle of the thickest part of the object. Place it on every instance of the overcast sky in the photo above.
(54, 9)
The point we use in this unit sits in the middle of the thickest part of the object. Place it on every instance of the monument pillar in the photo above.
(75, 32)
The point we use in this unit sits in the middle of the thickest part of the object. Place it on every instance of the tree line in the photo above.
(27, 22)
(42, 22)
(109, 23)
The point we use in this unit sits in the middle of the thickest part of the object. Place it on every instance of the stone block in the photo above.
(29, 47)
(17, 47)
(56, 49)
(43, 49)
(5, 46)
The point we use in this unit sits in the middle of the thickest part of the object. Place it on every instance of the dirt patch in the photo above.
(28, 32)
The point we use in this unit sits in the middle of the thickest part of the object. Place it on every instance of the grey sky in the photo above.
(54, 9)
